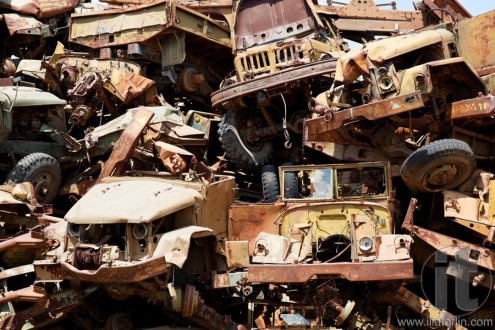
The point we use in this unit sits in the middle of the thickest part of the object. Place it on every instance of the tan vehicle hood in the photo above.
(359, 60)
(136, 201)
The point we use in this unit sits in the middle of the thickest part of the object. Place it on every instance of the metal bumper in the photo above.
(273, 80)
(47, 270)
(352, 271)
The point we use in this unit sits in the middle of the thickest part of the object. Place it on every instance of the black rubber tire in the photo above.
(291, 184)
(43, 171)
(237, 151)
(269, 181)
(418, 167)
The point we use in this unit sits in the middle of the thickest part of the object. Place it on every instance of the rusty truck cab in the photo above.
(330, 220)
(129, 229)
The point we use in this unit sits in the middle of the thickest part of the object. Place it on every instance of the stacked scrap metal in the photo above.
(234, 164)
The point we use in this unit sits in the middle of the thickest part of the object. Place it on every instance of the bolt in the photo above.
(478, 279)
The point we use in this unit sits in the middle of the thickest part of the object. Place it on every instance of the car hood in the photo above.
(133, 201)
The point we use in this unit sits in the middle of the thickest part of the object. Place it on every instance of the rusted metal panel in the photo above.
(458, 205)
(476, 40)
(31, 293)
(215, 211)
(58, 302)
(316, 129)
(275, 80)
(451, 6)
(172, 157)
(350, 152)
(352, 271)
(11, 272)
(132, 272)
(237, 254)
(472, 108)
(286, 19)
(40, 8)
(139, 24)
(367, 17)
(417, 304)
(126, 85)
(6, 82)
(126, 143)
(189, 301)
(229, 280)
(247, 221)
(408, 219)
(21, 24)
(453, 247)
(33, 240)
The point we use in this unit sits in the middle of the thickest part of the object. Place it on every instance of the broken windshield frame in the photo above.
(317, 182)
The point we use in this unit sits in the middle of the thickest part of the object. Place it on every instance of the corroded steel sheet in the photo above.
(366, 16)
(127, 85)
(476, 40)
(131, 272)
(317, 129)
(126, 143)
(56, 303)
(247, 222)
(352, 271)
(274, 80)
(40, 8)
(453, 247)
(22, 24)
(479, 107)
(139, 24)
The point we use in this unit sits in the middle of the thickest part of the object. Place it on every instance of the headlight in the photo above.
(385, 83)
(73, 230)
(366, 243)
(139, 231)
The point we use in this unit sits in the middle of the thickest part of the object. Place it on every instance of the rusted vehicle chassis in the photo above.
(273, 81)
(134, 272)
(352, 271)
(301, 273)
(478, 107)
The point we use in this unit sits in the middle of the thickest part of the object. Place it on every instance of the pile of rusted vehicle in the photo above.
(234, 164)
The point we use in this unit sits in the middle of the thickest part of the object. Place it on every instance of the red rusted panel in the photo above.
(479, 107)
(32, 240)
(6, 81)
(261, 21)
(126, 143)
(407, 224)
(481, 256)
(452, 6)
(137, 271)
(275, 80)
(60, 301)
(32, 293)
(188, 301)
(476, 40)
(41, 8)
(261, 217)
(352, 271)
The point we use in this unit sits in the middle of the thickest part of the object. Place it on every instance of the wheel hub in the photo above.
(441, 175)
(42, 183)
